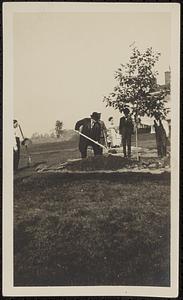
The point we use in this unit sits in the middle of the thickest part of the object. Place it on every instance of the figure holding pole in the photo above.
(18, 135)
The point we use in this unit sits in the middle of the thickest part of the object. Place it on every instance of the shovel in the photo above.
(106, 150)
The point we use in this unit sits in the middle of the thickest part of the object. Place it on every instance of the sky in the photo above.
(64, 63)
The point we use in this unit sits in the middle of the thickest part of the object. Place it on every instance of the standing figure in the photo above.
(161, 137)
(91, 127)
(103, 135)
(126, 130)
(16, 146)
(112, 133)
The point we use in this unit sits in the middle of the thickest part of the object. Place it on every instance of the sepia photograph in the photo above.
(91, 149)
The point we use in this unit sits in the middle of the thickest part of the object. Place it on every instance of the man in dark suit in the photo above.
(91, 127)
(126, 130)
(103, 134)
(161, 138)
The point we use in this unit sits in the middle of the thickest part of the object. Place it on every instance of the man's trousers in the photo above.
(126, 142)
(83, 148)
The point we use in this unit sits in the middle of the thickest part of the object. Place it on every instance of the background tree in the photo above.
(58, 128)
(35, 135)
(137, 87)
(52, 135)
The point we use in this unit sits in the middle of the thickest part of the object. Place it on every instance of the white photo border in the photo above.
(9, 9)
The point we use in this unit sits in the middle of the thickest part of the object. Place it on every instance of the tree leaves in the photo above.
(136, 82)
(58, 128)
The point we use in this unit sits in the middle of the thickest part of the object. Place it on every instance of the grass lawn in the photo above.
(102, 230)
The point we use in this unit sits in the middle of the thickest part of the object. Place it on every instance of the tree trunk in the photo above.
(136, 141)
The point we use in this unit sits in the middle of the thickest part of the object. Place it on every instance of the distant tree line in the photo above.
(54, 133)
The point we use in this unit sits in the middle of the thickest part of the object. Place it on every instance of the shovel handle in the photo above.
(87, 137)
(21, 131)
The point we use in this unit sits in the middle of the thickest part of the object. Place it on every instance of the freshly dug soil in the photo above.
(112, 162)
(99, 163)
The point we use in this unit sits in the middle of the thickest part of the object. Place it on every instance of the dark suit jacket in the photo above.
(126, 126)
(94, 132)
(160, 132)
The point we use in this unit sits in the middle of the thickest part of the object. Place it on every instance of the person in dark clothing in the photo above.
(91, 127)
(126, 130)
(16, 147)
(161, 138)
(103, 134)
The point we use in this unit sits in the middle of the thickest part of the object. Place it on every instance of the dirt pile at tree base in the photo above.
(115, 163)
(99, 163)
(108, 163)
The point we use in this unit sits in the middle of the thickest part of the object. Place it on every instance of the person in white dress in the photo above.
(112, 134)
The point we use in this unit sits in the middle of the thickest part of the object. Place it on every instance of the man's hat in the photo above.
(157, 115)
(126, 110)
(99, 115)
(95, 115)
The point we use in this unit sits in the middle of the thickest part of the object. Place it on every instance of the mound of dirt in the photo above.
(99, 163)
(107, 163)
(114, 162)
